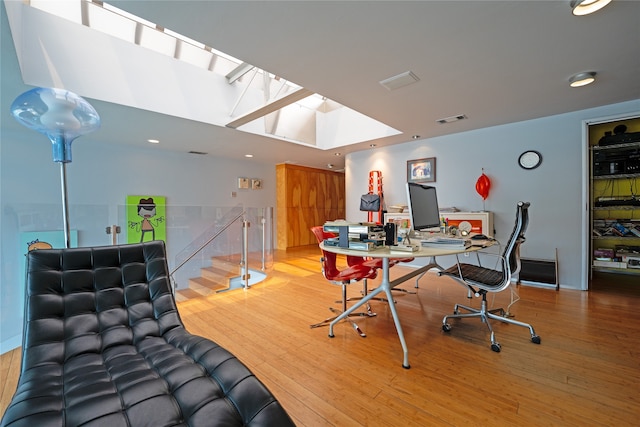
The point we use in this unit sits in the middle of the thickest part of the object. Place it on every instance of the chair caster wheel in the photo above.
(446, 327)
(535, 339)
(495, 347)
(331, 336)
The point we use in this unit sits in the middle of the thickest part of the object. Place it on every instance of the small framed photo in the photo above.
(256, 184)
(421, 170)
(243, 182)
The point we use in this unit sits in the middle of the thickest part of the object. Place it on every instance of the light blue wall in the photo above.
(555, 189)
(99, 179)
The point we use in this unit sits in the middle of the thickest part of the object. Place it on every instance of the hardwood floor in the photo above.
(586, 371)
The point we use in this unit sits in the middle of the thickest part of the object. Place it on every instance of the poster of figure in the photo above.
(35, 241)
(146, 219)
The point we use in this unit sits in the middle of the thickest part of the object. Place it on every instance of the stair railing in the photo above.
(223, 228)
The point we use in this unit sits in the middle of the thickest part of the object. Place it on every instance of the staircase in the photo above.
(216, 278)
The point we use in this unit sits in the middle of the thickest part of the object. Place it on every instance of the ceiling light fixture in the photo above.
(337, 154)
(372, 145)
(585, 7)
(330, 165)
(415, 137)
(582, 79)
(248, 155)
(153, 141)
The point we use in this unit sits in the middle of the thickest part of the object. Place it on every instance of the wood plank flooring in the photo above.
(586, 371)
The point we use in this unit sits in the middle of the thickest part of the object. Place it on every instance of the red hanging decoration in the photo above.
(483, 184)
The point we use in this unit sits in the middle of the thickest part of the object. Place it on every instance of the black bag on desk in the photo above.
(370, 202)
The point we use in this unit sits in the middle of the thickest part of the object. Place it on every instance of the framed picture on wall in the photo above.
(243, 182)
(256, 184)
(421, 170)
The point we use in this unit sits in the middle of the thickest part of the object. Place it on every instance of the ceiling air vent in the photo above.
(451, 119)
(202, 153)
(401, 80)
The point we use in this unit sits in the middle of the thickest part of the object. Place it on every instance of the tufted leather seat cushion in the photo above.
(104, 346)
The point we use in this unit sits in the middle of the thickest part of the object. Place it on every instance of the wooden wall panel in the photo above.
(306, 197)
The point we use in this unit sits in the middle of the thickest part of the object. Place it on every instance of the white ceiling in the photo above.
(496, 62)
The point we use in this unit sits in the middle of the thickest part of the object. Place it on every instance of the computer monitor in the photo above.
(423, 206)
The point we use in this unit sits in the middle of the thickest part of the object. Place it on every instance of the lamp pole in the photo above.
(65, 205)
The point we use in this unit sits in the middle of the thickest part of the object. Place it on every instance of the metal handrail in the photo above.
(197, 251)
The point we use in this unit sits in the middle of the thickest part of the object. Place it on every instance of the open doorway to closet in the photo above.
(614, 201)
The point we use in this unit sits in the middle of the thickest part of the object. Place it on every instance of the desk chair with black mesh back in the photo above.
(344, 277)
(481, 280)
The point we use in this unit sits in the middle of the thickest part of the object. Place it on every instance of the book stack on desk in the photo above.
(404, 248)
(445, 242)
(364, 236)
(364, 245)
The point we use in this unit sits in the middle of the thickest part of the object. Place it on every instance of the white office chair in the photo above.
(481, 280)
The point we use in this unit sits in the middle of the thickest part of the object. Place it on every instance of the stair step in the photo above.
(203, 282)
(217, 273)
(212, 279)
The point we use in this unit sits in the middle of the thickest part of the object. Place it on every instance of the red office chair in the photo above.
(352, 261)
(375, 263)
(344, 277)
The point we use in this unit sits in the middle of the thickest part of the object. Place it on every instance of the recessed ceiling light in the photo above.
(154, 141)
(372, 145)
(582, 79)
(585, 7)
(248, 155)
(415, 136)
(330, 165)
(337, 154)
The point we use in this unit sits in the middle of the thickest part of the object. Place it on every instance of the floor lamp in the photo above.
(62, 116)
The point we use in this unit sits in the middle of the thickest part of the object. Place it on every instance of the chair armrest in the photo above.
(488, 255)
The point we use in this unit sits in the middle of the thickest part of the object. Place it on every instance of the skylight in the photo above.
(264, 104)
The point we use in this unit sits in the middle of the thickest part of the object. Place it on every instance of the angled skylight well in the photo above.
(263, 103)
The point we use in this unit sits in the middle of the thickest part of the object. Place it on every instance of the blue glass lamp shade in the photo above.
(57, 113)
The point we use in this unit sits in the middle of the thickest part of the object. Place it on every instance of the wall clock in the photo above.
(530, 159)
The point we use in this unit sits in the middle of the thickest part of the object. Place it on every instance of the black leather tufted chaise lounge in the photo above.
(104, 345)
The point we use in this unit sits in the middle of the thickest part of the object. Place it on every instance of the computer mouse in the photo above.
(479, 237)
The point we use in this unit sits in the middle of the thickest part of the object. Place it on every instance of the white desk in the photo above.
(481, 222)
(386, 285)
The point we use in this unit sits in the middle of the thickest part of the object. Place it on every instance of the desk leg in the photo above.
(432, 264)
(385, 286)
